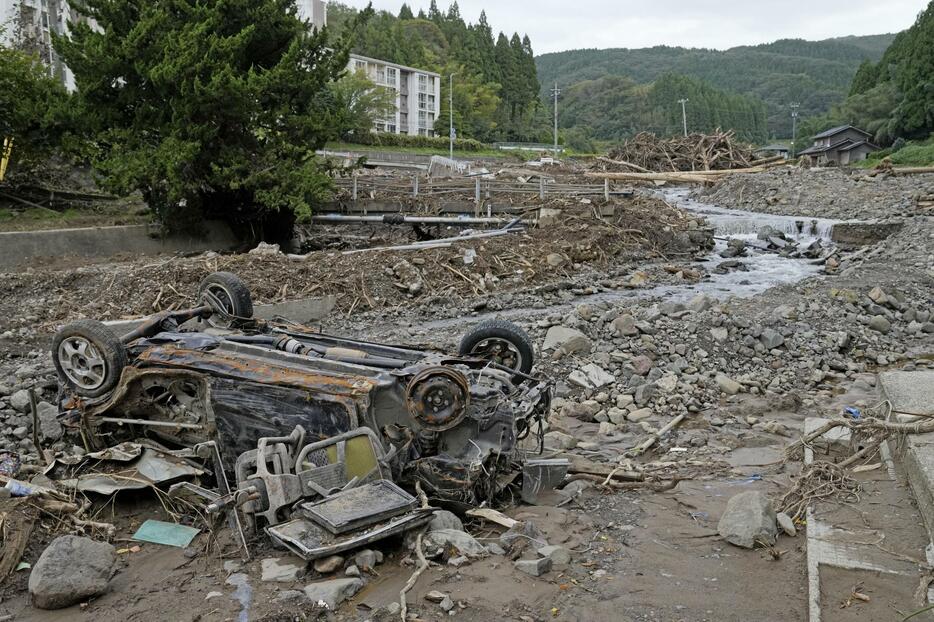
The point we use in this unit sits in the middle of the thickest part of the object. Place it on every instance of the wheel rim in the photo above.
(219, 294)
(82, 363)
(499, 351)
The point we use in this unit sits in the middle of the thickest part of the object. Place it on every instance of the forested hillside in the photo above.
(816, 74)
(496, 86)
(893, 98)
(614, 108)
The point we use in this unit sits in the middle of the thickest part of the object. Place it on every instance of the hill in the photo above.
(815, 73)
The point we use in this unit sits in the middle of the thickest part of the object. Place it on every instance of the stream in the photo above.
(766, 270)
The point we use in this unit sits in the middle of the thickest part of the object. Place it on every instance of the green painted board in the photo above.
(170, 534)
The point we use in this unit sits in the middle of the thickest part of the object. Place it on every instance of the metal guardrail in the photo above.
(477, 188)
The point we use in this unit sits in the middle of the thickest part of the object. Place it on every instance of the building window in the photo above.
(360, 65)
(391, 76)
(422, 83)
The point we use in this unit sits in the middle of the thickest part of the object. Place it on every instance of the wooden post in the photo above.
(415, 186)
(354, 192)
(541, 188)
(606, 189)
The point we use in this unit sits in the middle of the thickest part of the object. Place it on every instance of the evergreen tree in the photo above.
(405, 12)
(433, 13)
(215, 112)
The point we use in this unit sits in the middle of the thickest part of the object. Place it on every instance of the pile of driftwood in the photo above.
(648, 153)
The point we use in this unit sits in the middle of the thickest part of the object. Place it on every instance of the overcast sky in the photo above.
(555, 25)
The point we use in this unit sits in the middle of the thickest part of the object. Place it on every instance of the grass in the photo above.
(912, 154)
(35, 219)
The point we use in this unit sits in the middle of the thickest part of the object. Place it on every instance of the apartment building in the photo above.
(29, 24)
(418, 95)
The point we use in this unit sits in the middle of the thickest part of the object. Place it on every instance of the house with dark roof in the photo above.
(839, 146)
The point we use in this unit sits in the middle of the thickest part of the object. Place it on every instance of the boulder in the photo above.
(282, 569)
(48, 422)
(771, 339)
(728, 385)
(330, 594)
(624, 326)
(448, 540)
(442, 519)
(20, 401)
(591, 376)
(327, 565)
(534, 567)
(748, 518)
(879, 324)
(71, 570)
(569, 339)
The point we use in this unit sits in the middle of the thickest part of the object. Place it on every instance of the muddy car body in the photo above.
(453, 422)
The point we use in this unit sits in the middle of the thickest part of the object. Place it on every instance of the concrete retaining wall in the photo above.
(19, 248)
(862, 233)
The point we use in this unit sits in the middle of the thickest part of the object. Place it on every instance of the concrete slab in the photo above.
(910, 392)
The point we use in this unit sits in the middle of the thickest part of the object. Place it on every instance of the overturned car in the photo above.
(451, 423)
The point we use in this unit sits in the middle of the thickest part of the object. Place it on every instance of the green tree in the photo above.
(405, 12)
(362, 103)
(208, 108)
(30, 106)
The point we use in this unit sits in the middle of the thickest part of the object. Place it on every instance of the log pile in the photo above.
(646, 152)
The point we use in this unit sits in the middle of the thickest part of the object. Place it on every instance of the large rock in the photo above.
(771, 339)
(282, 569)
(749, 517)
(330, 594)
(48, 421)
(591, 376)
(568, 339)
(442, 519)
(451, 540)
(728, 385)
(624, 326)
(879, 324)
(20, 400)
(70, 570)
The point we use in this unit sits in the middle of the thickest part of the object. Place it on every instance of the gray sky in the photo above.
(556, 25)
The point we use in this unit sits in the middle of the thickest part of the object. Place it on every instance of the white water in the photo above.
(766, 270)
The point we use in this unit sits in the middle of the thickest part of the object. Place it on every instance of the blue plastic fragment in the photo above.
(853, 412)
(170, 534)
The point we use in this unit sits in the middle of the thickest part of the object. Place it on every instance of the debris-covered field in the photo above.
(651, 465)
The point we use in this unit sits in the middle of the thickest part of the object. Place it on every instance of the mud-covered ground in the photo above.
(744, 372)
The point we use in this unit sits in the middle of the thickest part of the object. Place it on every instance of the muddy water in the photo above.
(766, 270)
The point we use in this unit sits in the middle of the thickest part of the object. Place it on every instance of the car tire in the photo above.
(231, 292)
(88, 357)
(503, 342)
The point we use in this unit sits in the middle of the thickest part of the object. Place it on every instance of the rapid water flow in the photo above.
(766, 270)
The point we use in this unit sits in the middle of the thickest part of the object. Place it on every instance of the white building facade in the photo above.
(28, 25)
(418, 95)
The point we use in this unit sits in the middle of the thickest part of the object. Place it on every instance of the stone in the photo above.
(879, 324)
(555, 259)
(667, 383)
(607, 429)
(289, 597)
(568, 340)
(624, 326)
(70, 570)
(434, 596)
(447, 604)
(591, 376)
(719, 334)
(559, 555)
(583, 411)
(48, 421)
(331, 593)
(20, 432)
(20, 401)
(327, 565)
(352, 571)
(771, 339)
(282, 569)
(641, 364)
(644, 393)
(560, 440)
(442, 519)
(728, 385)
(672, 309)
(748, 518)
(623, 400)
(787, 525)
(448, 539)
(368, 559)
(534, 567)
(640, 415)
(701, 302)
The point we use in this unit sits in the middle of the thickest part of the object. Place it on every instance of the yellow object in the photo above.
(359, 456)
(5, 155)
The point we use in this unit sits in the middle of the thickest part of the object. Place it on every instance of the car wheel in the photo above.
(501, 342)
(228, 296)
(88, 357)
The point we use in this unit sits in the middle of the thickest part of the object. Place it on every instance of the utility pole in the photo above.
(451, 114)
(794, 128)
(555, 91)
(684, 114)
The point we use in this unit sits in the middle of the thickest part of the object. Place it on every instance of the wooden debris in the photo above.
(696, 152)
(493, 516)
